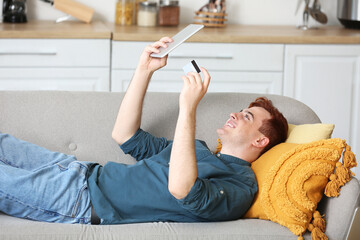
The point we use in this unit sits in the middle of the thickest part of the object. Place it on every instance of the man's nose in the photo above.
(233, 116)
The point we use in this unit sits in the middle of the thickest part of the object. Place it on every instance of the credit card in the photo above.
(191, 67)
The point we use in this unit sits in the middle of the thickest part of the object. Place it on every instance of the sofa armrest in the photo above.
(339, 211)
(354, 232)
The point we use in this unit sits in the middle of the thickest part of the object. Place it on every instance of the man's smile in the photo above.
(230, 124)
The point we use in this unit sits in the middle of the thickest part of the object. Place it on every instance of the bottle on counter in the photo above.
(169, 12)
(124, 14)
(147, 14)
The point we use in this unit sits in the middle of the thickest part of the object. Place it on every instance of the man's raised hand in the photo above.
(152, 64)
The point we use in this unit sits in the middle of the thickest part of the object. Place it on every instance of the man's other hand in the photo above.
(194, 89)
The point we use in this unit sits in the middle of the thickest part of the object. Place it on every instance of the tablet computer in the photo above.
(179, 38)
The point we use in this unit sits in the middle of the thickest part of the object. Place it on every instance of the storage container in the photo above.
(169, 12)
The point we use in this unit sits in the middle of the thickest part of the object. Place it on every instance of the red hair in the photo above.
(275, 128)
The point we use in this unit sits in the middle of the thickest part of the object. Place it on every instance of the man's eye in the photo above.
(241, 110)
(247, 116)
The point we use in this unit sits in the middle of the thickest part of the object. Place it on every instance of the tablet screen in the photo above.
(179, 38)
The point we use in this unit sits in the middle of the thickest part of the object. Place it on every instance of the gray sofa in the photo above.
(81, 124)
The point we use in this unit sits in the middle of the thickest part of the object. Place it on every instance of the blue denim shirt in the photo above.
(120, 193)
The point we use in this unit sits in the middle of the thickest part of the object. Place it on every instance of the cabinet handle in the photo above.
(49, 53)
(202, 57)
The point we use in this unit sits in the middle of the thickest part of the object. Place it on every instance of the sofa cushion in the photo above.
(292, 178)
(309, 132)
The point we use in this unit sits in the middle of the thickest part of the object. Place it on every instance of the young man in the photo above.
(179, 180)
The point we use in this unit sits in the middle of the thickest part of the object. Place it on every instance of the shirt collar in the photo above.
(229, 158)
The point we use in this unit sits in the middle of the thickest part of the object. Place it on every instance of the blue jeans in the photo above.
(41, 185)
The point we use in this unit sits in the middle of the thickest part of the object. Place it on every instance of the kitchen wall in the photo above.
(250, 12)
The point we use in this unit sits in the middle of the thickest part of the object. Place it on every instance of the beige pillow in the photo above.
(309, 132)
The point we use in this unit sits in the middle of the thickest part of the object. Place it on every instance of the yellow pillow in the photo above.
(292, 178)
(309, 132)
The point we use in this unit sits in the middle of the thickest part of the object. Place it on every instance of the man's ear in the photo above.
(261, 142)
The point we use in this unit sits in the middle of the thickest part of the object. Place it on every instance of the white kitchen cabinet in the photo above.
(55, 64)
(59, 79)
(170, 81)
(327, 78)
(255, 68)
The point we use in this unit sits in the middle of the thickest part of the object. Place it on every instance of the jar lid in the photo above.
(169, 2)
(148, 4)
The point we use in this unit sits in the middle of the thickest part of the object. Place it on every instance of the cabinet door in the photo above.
(170, 81)
(54, 52)
(327, 78)
(67, 79)
(212, 56)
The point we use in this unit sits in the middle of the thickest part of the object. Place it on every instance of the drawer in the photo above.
(212, 56)
(170, 81)
(64, 79)
(54, 52)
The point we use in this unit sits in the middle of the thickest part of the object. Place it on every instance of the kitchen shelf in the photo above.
(52, 30)
(229, 34)
(243, 34)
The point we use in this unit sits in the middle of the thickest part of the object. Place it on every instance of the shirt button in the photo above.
(218, 155)
(221, 192)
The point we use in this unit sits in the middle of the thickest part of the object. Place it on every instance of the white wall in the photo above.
(250, 12)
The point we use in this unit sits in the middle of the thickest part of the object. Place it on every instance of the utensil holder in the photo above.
(210, 19)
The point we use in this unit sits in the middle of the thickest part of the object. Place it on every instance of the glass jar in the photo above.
(137, 4)
(124, 14)
(169, 12)
(146, 16)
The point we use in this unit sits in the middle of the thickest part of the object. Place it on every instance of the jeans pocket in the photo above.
(79, 199)
(80, 167)
(65, 164)
(61, 167)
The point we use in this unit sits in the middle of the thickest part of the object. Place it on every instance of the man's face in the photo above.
(243, 127)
